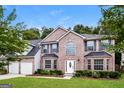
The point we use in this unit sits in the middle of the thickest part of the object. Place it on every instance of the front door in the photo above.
(70, 66)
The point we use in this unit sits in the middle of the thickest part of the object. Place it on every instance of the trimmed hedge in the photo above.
(3, 71)
(98, 74)
(49, 72)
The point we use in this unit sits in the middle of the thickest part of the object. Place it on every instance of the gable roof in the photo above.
(98, 54)
(59, 27)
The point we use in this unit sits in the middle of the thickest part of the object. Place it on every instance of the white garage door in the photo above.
(14, 68)
(26, 67)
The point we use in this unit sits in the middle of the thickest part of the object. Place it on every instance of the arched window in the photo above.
(70, 48)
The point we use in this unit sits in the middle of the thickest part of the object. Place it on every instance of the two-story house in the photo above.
(69, 51)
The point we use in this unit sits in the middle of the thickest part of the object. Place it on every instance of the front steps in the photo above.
(68, 75)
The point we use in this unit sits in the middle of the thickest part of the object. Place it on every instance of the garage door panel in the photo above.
(14, 68)
(26, 67)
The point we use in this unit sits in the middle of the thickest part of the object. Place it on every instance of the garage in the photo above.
(25, 68)
(14, 68)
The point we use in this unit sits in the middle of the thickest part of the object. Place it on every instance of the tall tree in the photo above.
(11, 41)
(80, 29)
(112, 23)
(30, 34)
(46, 31)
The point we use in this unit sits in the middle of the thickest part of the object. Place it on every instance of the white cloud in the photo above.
(55, 12)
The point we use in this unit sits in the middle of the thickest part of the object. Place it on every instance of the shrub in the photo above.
(104, 74)
(49, 72)
(44, 72)
(3, 71)
(115, 74)
(95, 74)
(56, 72)
(83, 73)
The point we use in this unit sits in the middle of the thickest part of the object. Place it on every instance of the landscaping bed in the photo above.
(98, 74)
(48, 73)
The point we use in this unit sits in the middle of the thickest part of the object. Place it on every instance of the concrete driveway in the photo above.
(8, 76)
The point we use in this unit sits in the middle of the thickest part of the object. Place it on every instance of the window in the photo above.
(104, 44)
(47, 63)
(70, 48)
(54, 48)
(107, 64)
(89, 64)
(46, 48)
(90, 46)
(55, 64)
(98, 64)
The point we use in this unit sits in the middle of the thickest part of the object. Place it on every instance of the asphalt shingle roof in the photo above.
(98, 54)
(33, 51)
(50, 55)
(93, 36)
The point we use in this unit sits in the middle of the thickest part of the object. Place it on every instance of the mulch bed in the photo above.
(46, 75)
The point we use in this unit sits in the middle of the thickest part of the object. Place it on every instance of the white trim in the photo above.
(54, 31)
(66, 65)
(71, 32)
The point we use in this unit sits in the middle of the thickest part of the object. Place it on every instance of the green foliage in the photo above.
(80, 29)
(95, 74)
(30, 34)
(11, 42)
(56, 72)
(49, 72)
(3, 71)
(98, 74)
(115, 75)
(46, 31)
(112, 23)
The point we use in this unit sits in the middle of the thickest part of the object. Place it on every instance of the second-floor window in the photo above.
(70, 48)
(54, 48)
(104, 44)
(90, 46)
(46, 48)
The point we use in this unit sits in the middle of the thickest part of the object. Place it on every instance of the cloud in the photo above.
(55, 12)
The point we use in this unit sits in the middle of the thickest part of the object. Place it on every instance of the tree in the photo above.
(46, 31)
(11, 42)
(112, 23)
(80, 29)
(30, 34)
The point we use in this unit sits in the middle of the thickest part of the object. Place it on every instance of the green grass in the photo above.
(27, 82)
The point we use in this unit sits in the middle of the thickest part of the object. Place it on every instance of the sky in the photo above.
(53, 16)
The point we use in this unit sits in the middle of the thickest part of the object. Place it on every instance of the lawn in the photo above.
(27, 82)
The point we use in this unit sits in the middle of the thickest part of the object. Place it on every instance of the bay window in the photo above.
(98, 64)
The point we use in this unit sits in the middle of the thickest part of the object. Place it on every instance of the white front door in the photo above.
(70, 66)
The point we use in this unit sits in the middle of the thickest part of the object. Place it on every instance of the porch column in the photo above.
(52, 64)
(92, 64)
(104, 64)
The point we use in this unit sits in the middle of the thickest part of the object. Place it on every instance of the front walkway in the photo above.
(8, 76)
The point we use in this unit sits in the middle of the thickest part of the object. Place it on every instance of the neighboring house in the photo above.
(30, 59)
(68, 51)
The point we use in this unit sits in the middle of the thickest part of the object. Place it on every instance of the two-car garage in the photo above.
(23, 67)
